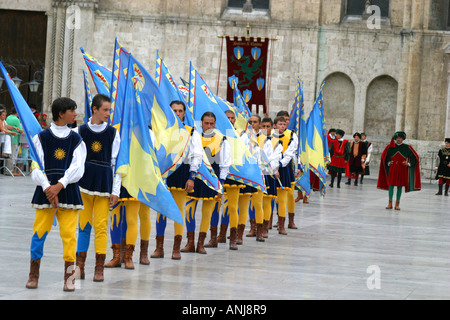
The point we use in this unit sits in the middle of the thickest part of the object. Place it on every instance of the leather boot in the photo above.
(80, 262)
(269, 226)
(200, 243)
(305, 199)
(213, 241)
(190, 245)
(281, 229)
(252, 232)
(397, 205)
(439, 193)
(69, 276)
(99, 265)
(446, 190)
(115, 261)
(259, 232)
(389, 206)
(278, 219)
(176, 248)
(299, 196)
(128, 258)
(222, 238)
(143, 254)
(291, 224)
(33, 278)
(233, 236)
(240, 234)
(265, 229)
(123, 246)
(159, 250)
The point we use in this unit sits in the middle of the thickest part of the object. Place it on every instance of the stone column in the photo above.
(70, 26)
(447, 115)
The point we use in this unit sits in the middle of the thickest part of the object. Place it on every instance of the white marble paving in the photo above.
(327, 258)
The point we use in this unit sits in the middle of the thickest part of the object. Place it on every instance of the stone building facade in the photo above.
(382, 72)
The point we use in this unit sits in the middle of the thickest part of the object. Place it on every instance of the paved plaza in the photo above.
(348, 246)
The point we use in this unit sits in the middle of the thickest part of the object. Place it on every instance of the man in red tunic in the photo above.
(340, 153)
(399, 167)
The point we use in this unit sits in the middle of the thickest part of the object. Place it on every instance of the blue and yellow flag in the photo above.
(99, 73)
(316, 140)
(297, 124)
(87, 98)
(29, 122)
(137, 161)
(171, 89)
(171, 137)
(240, 101)
(241, 122)
(244, 168)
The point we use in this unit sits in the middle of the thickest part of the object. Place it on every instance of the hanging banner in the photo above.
(247, 66)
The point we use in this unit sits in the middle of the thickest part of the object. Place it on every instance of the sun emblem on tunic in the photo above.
(60, 154)
(96, 146)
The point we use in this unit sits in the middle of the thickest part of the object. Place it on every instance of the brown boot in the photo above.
(115, 261)
(240, 234)
(259, 232)
(176, 248)
(305, 199)
(69, 276)
(265, 229)
(269, 226)
(222, 238)
(299, 196)
(213, 241)
(159, 250)
(233, 236)
(200, 243)
(397, 205)
(123, 246)
(291, 224)
(143, 254)
(190, 245)
(252, 232)
(389, 206)
(99, 265)
(80, 262)
(33, 279)
(128, 258)
(281, 229)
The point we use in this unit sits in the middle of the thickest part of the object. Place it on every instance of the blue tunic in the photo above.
(58, 155)
(98, 174)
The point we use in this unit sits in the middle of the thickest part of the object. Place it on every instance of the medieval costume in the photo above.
(356, 162)
(340, 154)
(399, 167)
(443, 169)
(369, 147)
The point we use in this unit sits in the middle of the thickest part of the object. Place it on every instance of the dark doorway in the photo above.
(22, 52)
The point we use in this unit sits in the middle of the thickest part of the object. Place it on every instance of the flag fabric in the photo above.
(238, 100)
(171, 89)
(241, 122)
(87, 98)
(143, 182)
(326, 151)
(29, 122)
(316, 140)
(247, 60)
(244, 168)
(118, 80)
(297, 124)
(171, 137)
(99, 73)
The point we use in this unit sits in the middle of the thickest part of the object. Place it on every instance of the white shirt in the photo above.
(75, 170)
(290, 153)
(115, 151)
(194, 155)
(273, 155)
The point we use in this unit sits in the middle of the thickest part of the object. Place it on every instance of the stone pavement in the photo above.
(347, 247)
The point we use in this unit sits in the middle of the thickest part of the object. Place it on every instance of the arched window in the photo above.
(255, 4)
